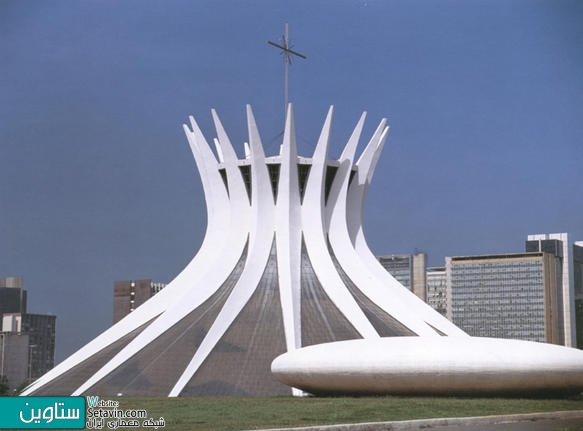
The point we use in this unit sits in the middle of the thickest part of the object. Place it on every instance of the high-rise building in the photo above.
(40, 329)
(14, 359)
(558, 245)
(11, 282)
(399, 266)
(437, 289)
(409, 270)
(12, 296)
(129, 295)
(505, 296)
(578, 289)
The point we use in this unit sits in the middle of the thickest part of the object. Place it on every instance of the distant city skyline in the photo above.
(484, 100)
(523, 294)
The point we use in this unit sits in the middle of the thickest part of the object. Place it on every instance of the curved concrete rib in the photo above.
(313, 221)
(260, 243)
(288, 235)
(210, 274)
(209, 251)
(389, 299)
(403, 303)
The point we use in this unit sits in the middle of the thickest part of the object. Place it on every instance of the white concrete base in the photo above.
(432, 365)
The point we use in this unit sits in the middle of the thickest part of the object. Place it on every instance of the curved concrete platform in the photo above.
(423, 365)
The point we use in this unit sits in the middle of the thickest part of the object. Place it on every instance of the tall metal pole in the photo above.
(286, 61)
(287, 58)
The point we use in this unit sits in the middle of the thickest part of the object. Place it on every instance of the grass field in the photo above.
(247, 413)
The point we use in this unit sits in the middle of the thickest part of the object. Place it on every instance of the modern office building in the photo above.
(11, 282)
(554, 247)
(18, 325)
(557, 244)
(14, 349)
(129, 295)
(399, 266)
(578, 289)
(14, 360)
(409, 270)
(505, 296)
(12, 295)
(437, 289)
(40, 329)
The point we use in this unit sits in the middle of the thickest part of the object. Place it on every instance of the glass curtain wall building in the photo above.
(12, 295)
(558, 245)
(409, 270)
(505, 296)
(437, 289)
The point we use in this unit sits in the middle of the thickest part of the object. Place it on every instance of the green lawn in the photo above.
(237, 413)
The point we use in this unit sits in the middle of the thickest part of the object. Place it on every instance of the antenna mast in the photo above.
(287, 56)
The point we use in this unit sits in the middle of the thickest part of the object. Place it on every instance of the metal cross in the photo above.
(287, 53)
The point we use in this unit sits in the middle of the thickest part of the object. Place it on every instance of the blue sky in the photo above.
(485, 100)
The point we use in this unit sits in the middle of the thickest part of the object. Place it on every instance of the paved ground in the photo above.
(552, 421)
(543, 425)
